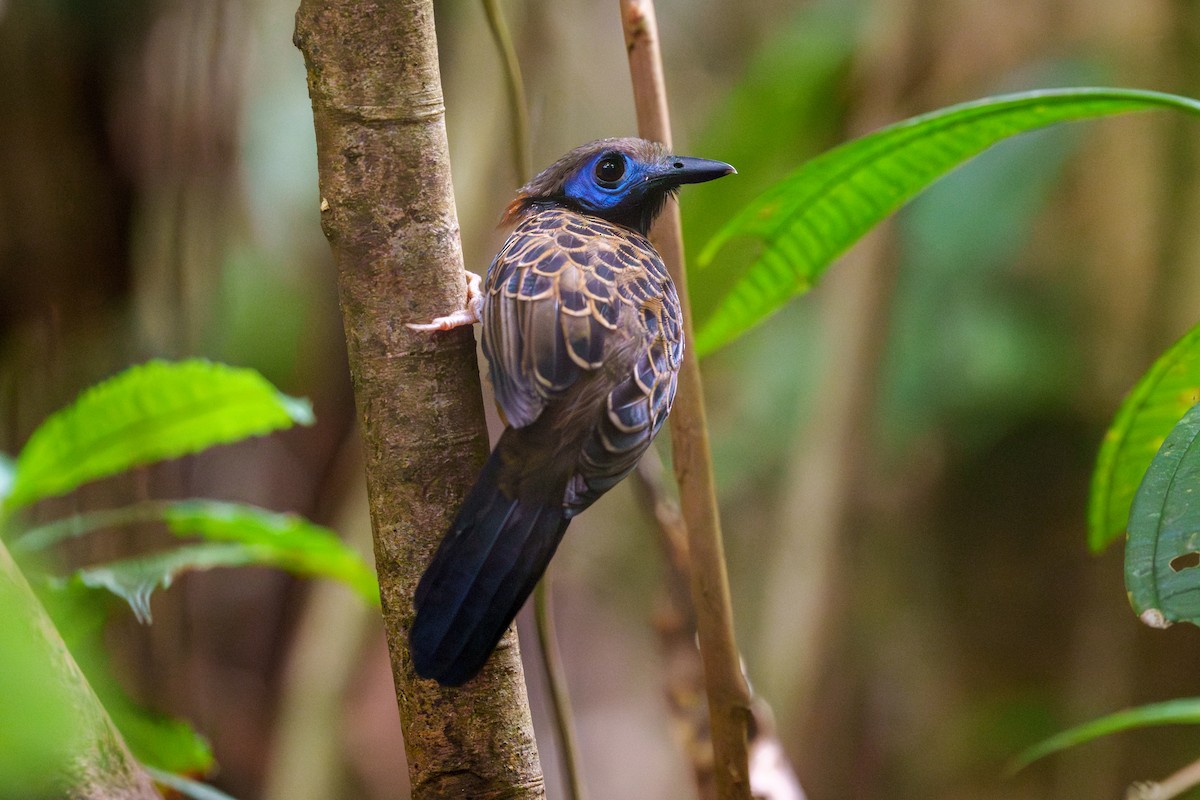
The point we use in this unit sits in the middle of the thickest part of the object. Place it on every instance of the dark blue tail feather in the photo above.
(481, 575)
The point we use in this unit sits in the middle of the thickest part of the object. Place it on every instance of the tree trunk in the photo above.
(63, 742)
(387, 208)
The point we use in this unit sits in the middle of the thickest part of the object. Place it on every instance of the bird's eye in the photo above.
(609, 170)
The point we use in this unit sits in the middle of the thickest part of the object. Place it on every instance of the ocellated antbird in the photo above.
(583, 335)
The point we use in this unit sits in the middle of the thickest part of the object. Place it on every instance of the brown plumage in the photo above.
(583, 335)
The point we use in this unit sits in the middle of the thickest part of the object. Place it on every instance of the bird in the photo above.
(583, 335)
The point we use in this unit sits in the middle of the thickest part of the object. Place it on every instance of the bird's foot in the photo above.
(464, 316)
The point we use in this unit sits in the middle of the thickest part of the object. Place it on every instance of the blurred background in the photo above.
(903, 454)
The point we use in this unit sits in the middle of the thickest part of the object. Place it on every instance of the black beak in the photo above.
(678, 170)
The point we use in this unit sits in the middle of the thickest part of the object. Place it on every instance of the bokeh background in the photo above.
(903, 454)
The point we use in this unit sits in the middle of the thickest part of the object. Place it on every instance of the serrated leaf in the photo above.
(1184, 711)
(148, 413)
(1163, 395)
(236, 534)
(816, 213)
(135, 579)
(286, 541)
(1162, 553)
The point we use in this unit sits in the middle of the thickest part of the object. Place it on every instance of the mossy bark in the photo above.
(387, 208)
(64, 743)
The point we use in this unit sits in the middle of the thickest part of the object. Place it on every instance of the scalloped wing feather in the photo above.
(562, 295)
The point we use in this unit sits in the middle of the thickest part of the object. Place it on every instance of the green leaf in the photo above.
(134, 579)
(1163, 550)
(55, 531)
(1152, 408)
(157, 740)
(286, 541)
(813, 45)
(236, 534)
(150, 412)
(1184, 711)
(815, 214)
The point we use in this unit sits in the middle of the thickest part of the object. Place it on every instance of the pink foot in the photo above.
(464, 316)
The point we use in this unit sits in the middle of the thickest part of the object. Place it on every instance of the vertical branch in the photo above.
(728, 696)
(560, 698)
(61, 741)
(387, 209)
(675, 623)
(518, 107)
(771, 774)
(556, 676)
(1172, 786)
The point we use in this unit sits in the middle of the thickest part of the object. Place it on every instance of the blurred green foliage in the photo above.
(148, 413)
(1159, 400)
(80, 614)
(972, 346)
(818, 211)
(784, 109)
(138, 123)
(37, 717)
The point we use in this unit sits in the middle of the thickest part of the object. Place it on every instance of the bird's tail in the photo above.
(481, 575)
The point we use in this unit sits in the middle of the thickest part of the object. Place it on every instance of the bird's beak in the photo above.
(678, 170)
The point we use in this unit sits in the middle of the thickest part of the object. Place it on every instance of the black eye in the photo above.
(610, 169)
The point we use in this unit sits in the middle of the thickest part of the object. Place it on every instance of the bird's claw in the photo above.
(464, 316)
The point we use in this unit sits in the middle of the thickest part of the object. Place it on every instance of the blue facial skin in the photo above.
(596, 196)
(621, 189)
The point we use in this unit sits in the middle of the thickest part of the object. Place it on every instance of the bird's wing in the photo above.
(639, 399)
(553, 302)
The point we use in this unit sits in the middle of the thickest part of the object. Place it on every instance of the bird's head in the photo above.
(625, 181)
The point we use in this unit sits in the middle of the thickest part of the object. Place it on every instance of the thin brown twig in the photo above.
(556, 679)
(675, 623)
(728, 695)
(1173, 785)
(772, 776)
(560, 702)
(518, 107)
